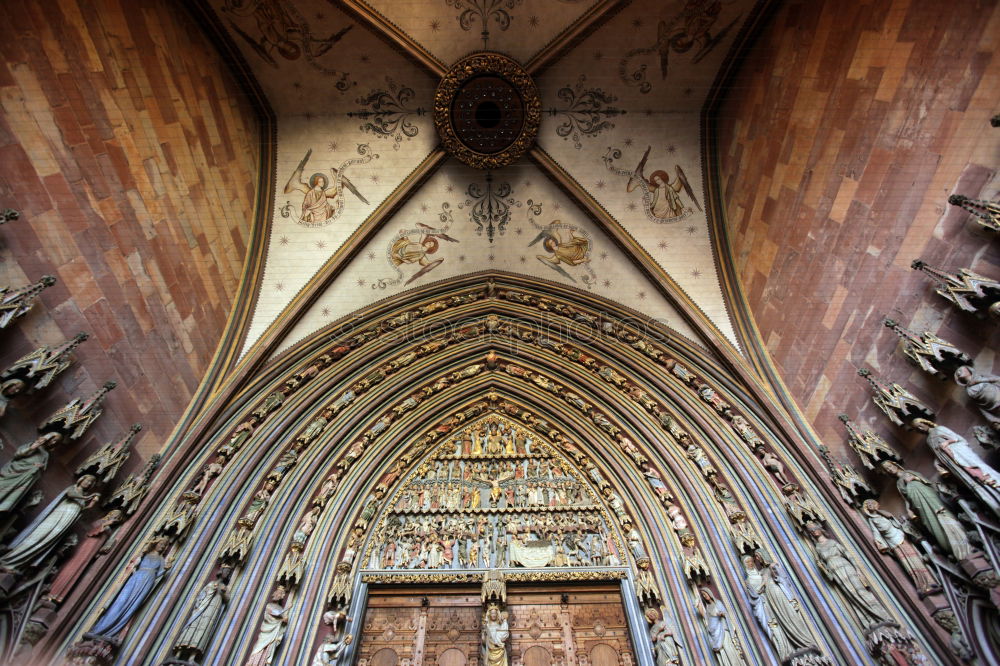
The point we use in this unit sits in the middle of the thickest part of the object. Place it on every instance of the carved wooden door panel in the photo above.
(413, 627)
(583, 625)
(576, 625)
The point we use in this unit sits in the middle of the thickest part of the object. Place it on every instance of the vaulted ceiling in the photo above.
(623, 86)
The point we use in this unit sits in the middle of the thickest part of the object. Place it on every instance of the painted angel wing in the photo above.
(687, 186)
(542, 235)
(637, 174)
(663, 46)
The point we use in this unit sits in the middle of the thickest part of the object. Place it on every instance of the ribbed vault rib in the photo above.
(590, 21)
(391, 33)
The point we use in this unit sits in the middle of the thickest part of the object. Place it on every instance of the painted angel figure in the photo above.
(413, 248)
(662, 193)
(564, 246)
(279, 32)
(323, 200)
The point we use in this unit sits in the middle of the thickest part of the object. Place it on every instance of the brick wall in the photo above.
(133, 158)
(843, 133)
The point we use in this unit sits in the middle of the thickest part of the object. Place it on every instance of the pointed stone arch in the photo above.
(656, 415)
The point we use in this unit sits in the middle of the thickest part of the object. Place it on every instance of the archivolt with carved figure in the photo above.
(513, 435)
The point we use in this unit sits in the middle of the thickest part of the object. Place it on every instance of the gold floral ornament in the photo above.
(487, 110)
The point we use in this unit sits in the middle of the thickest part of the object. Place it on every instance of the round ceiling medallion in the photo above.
(487, 110)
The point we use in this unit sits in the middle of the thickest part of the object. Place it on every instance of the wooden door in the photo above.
(440, 626)
(436, 626)
(568, 625)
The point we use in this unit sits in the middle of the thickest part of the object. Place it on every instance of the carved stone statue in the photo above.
(645, 585)
(984, 390)
(331, 650)
(720, 638)
(15, 303)
(776, 608)
(954, 452)
(22, 471)
(837, 566)
(923, 501)
(890, 537)
(30, 548)
(495, 635)
(100, 539)
(200, 626)
(272, 630)
(663, 634)
(133, 594)
(773, 465)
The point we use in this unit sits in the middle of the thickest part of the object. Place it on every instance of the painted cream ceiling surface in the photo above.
(430, 240)
(621, 116)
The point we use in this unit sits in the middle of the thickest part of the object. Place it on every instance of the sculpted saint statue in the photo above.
(923, 501)
(717, 624)
(200, 626)
(775, 607)
(891, 538)
(272, 630)
(957, 456)
(495, 634)
(30, 548)
(19, 475)
(133, 594)
(331, 650)
(666, 645)
(982, 389)
(837, 566)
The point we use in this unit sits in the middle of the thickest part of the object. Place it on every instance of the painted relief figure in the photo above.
(280, 30)
(323, 201)
(689, 29)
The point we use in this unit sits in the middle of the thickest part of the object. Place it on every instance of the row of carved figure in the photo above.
(100, 645)
(42, 561)
(947, 543)
(886, 640)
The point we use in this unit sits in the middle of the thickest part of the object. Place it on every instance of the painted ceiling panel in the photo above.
(312, 58)
(620, 116)
(442, 232)
(309, 228)
(450, 29)
(623, 118)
